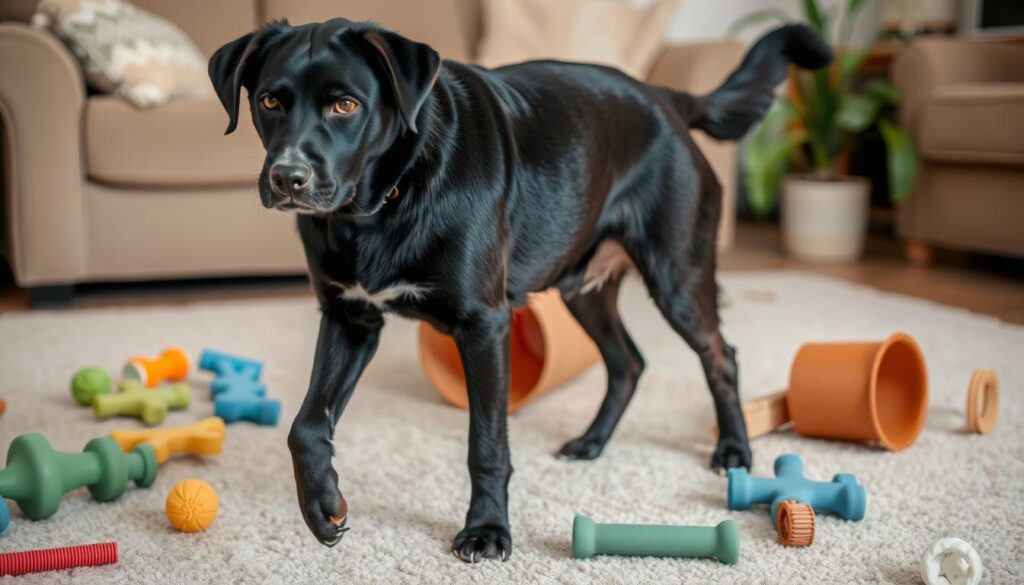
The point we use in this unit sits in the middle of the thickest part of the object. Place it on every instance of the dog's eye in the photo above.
(270, 102)
(345, 106)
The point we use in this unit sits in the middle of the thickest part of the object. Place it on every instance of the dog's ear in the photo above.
(411, 69)
(232, 62)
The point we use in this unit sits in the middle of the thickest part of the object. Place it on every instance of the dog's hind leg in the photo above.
(598, 312)
(677, 261)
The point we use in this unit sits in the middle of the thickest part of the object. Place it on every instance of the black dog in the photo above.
(449, 192)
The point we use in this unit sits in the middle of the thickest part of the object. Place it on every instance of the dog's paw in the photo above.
(482, 542)
(731, 453)
(324, 509)
(581, 449)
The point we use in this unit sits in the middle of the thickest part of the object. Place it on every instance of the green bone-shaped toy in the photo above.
(37, 477)
(721, 542)
(136, 400)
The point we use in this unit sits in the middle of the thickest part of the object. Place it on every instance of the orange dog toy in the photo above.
(171, 365)
(205, 437)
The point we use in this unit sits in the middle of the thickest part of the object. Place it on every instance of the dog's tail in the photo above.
(730, 111)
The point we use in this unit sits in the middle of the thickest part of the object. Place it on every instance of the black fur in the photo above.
(480, 186)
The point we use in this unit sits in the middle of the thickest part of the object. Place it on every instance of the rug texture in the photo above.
(401, 451)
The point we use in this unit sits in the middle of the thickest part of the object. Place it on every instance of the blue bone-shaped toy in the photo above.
(237, 390)
(842, 496)
(232, 372)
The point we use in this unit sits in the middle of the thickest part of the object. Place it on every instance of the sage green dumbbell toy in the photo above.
(89, 382)
(720, 542)
(135, 400)
(36, 476)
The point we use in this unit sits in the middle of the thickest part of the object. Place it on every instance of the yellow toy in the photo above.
(205, 437)
(192, 505)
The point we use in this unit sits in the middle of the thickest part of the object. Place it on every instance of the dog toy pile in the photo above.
(238, 393)
(55, 559)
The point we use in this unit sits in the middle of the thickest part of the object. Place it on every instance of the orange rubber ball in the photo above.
(192, 505)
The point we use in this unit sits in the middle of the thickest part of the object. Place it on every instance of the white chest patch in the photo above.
(399, 290)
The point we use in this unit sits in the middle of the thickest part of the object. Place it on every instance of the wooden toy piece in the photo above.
(232, 371)
(794, 523)
(88, 382)
(842, 496)
(171, 365)
(720, 542)
(205, 437)
(135, 400)
(983, 402)
(36, 476)
(237, 406)
(192, 505)
(56, 559)
(764, 415)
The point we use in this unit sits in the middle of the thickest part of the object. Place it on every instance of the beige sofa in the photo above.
(95, 190)
(963, 101)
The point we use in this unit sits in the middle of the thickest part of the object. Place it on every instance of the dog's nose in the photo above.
(291, 180)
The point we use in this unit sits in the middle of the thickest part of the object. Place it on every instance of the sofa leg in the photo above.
(918, 253)
(56, 296)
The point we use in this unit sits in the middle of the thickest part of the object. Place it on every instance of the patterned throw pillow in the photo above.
(126, 50)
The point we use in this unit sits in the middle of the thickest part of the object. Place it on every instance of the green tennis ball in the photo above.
(89, 382)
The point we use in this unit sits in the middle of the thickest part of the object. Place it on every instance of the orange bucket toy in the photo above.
(547, 349)
(871, 391)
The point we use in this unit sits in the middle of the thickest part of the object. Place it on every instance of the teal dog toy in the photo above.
(37, 477)
(238, 393)
(842, 496)
(232, 372)
(720, 542)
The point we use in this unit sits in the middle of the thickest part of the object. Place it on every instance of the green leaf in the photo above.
(757, 17)
(814, 18)
(857, 112)
(766, 155)
(850, 62)
(901, 159)
(883, 90)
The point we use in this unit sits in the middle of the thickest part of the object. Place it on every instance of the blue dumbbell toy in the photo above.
(232, 372)
(842, 496)
(234, 406)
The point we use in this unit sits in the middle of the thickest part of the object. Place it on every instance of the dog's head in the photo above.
(328, 101)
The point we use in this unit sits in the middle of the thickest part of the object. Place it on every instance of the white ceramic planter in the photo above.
(825, 221)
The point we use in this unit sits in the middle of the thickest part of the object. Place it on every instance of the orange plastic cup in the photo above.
(547, 349)
(860, 391)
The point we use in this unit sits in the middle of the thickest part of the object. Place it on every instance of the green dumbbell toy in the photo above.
(721, 542)
(89, 382)
(135, 400)
(36, 476)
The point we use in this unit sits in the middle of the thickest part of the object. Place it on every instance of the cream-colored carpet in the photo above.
(402, 452)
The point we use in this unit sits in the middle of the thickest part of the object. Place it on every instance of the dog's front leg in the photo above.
(483, 346)
(342, 351)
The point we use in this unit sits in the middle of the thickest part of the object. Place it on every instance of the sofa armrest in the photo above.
(927, 65)
(42, 96)
(696, 67)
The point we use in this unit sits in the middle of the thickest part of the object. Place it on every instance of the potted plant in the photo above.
(804, 142)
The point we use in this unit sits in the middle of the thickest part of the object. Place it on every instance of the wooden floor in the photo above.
(982, 284)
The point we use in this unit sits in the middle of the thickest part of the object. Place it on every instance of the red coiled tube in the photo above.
(55, 559)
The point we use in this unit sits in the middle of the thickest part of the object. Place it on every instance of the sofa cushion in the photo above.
(181, 144)
(974, 123)
(439, 23)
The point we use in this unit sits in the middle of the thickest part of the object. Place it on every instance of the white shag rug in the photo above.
(402, 451)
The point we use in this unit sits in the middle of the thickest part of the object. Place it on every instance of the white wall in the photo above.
(711, 19)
